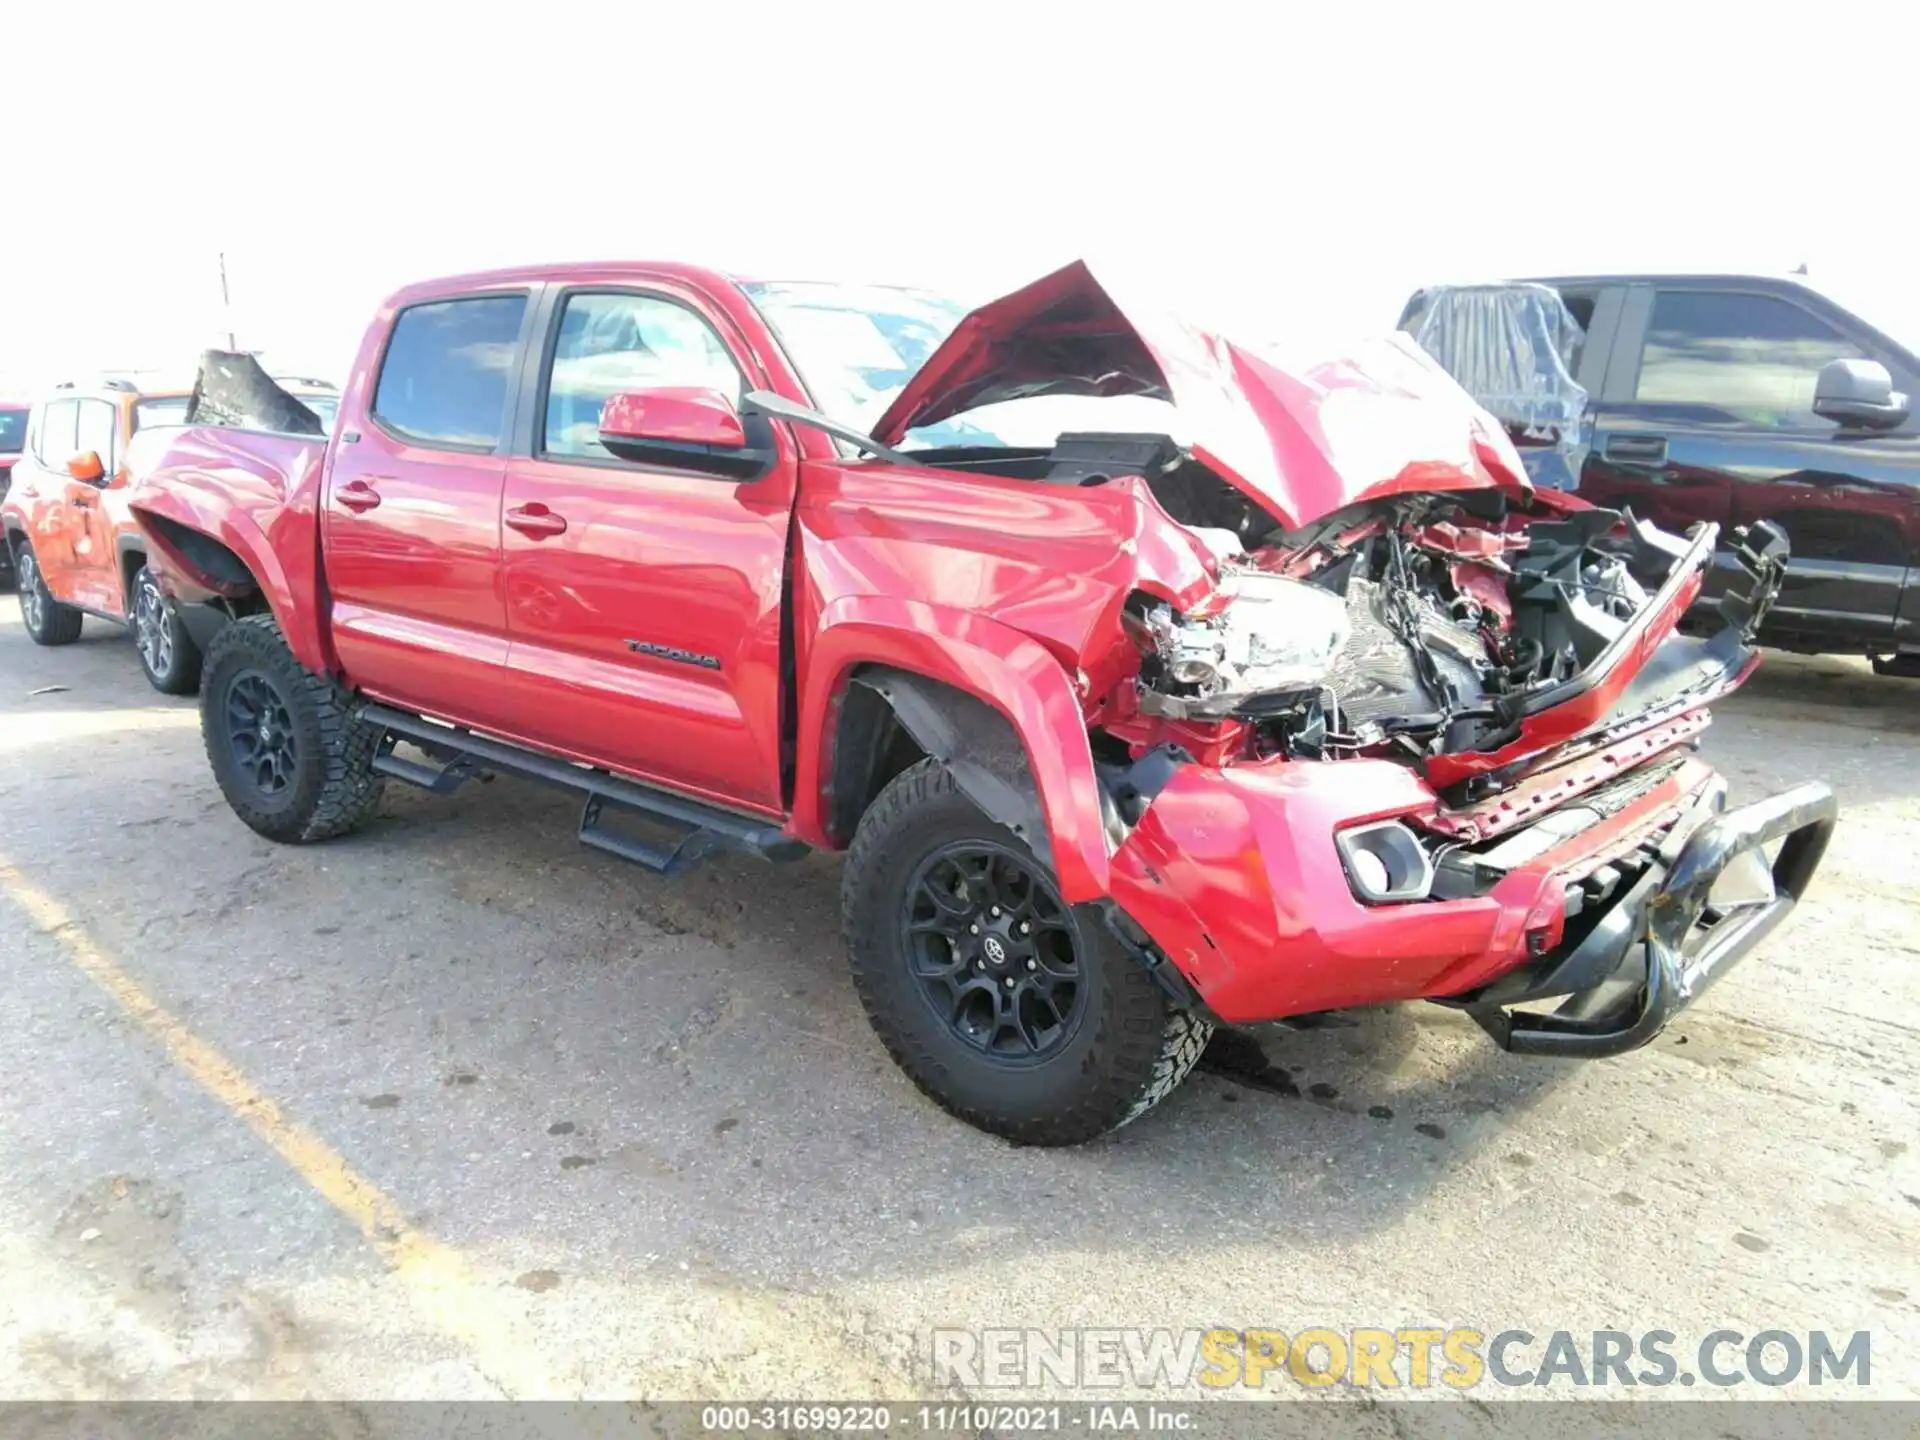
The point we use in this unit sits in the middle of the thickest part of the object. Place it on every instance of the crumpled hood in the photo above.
(1382, 420)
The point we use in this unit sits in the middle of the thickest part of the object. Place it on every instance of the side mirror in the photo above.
(1858, 393)
(87, 468)
(681, 425)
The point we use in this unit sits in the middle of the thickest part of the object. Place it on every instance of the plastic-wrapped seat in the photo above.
(1513, 348)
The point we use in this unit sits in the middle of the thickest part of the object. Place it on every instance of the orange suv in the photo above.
(71, 541)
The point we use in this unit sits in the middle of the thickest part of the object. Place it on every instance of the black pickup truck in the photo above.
(1727, 398)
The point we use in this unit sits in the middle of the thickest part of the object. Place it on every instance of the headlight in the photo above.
(1274, 634)
(1385, 862)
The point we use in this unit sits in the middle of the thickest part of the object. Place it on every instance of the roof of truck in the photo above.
(1672, 277)
(561, 271)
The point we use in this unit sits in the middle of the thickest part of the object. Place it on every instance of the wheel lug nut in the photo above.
(1009, 982)
(1026, 927)
(979, 964)
(973, 929)
(994, 911)
(1033, 964)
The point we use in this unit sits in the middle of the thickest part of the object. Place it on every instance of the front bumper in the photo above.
(1233, 875)
(1664, 940)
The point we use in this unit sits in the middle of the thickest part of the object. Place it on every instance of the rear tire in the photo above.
(290, 757)
(925, 866)
(47, 621)
(167, 653)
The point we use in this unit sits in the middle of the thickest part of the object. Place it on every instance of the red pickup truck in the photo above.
(1147, 685)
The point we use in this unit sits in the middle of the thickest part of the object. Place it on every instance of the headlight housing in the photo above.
(1273, 635)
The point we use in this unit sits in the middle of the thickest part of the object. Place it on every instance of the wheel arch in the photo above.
(889, 681)
(131, 551)
(232, 568)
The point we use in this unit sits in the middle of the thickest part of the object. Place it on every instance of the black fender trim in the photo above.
(202, 620)
(974, 741)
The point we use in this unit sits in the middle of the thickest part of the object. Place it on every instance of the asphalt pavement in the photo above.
(455, 1107)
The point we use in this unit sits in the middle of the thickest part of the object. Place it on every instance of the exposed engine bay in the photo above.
(1399, 621)
(1419, 625)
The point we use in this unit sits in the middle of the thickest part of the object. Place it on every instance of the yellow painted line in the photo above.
(439, 1282)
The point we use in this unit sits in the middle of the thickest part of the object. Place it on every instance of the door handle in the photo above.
(357, 495)
(536, 521)
(1640, 449)
(79, 502)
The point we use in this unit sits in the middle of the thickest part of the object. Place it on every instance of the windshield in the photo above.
(856, 346)
(13, 431)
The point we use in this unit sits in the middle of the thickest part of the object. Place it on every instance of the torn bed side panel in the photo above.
(232, 390)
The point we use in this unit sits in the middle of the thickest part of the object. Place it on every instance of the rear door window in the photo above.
(448, 369)
(1745, 357)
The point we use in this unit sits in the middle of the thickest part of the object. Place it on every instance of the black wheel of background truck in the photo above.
(167, 653)
(291, 759)
(1015, 1012)
(47, 621)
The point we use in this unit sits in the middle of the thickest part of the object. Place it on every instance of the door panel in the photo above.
(415, 577)
(645, 635)
(51, 520)
(1719, 427)
(94, 578)
(412, 521)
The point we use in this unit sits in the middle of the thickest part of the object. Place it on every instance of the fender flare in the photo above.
(897, 647)
(233, 528)
(124, 545)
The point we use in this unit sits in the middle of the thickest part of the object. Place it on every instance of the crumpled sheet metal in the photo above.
(232, 390)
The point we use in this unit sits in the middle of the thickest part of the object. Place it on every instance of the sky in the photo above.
(1286, 173)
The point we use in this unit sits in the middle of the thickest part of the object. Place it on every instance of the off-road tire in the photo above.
(180, 674)
(57, 624)
(334, 786)
(1132, 1048)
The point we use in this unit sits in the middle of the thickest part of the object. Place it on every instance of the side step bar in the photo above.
(693, 830)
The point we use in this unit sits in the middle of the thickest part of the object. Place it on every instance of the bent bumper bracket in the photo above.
(1672, 939)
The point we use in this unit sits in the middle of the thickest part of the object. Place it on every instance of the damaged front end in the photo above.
(1448, 634)
(1397, 725)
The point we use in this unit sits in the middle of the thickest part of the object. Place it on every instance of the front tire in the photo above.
(1015, 1012)
(167, 653)
(291, 759)
(47, 621)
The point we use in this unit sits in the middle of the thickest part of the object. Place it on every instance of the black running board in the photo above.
(691, 830)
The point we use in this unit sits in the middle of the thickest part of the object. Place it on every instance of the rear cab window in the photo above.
(448, 370)
(165, 410)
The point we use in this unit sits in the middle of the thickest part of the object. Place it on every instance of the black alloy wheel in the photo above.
(260, 731)
(993, 950)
